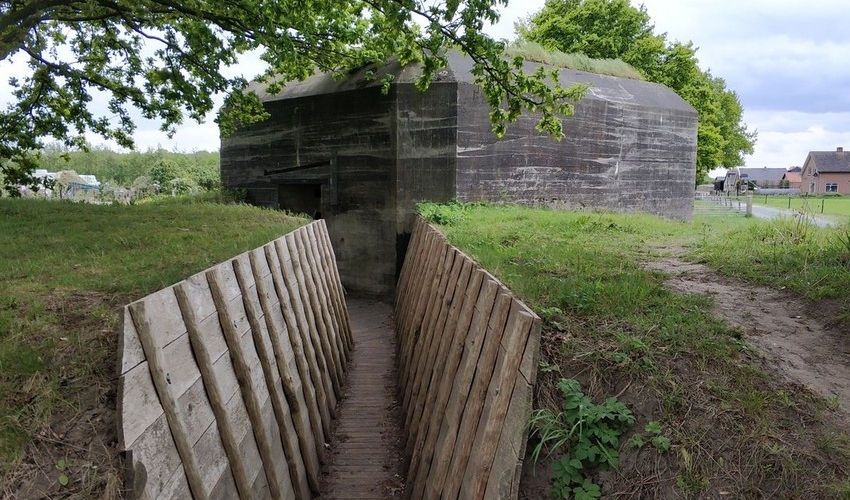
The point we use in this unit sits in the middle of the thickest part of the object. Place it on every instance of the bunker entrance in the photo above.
(300, 198)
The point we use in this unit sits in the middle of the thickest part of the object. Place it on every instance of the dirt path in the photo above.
(790, 331)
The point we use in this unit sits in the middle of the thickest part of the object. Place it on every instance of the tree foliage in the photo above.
(615, 29)
(198, 169)
(169, 58)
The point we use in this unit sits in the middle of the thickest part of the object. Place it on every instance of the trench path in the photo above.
(366, 457)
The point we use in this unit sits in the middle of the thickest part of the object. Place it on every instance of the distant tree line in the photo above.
(151, 171)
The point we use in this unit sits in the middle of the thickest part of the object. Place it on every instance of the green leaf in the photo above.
(63, 479)
(653, 427)
(661, 443)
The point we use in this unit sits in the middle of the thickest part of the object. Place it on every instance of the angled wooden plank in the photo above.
(497, 400)
(412, 269)
(316, 330)
(218, 400)
(313, 406)
(422, 280)
(155, 470)
(411, 328)
(289, 378)
(418, 269)
(478, 303)
(321, 317)
(309, 336)
(139, 404)
(428, 350)
(510, 451)
(242, 368)
(130, 352)
(271, 373)
(322, 278)
(334, 286)
(403, 285)
(161, 379)
(435, 479)
(474, 402)
(458, 282)
(330, 258)
(421, 457)
(423, 339)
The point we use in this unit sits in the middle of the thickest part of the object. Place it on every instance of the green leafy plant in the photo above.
(62, 467)
(588, 432)
(658, 440)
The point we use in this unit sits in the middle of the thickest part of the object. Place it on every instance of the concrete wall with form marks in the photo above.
(364, 158)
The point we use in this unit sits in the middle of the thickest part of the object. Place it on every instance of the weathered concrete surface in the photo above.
(347, 138)
(630, 147)
(363, 158)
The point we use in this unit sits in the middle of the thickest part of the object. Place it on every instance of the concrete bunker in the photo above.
(363, 158)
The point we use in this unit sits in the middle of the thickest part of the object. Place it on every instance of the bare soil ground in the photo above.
(796, 336)
(79, 442)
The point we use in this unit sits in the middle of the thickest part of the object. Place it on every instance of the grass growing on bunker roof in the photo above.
(534, 52)
(736, 428)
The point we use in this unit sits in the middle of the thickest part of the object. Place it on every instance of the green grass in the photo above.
(535, 52)
(65, 271)
(832, 207)
(791, 252)
(611, 323)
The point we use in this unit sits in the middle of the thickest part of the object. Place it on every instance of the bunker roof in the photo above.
(459, 70)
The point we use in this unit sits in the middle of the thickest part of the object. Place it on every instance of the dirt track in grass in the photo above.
(795, 335)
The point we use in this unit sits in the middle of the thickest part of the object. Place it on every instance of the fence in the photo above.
(230, 378)
(468, 356)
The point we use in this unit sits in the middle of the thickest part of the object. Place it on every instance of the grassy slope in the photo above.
(65, 270)
(611, 324)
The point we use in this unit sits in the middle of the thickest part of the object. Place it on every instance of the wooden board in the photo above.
(315, 410)
(318, 374)
(271, 374)
(279, 347)
(467, 354)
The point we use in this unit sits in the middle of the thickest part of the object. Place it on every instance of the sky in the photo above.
(786, 60)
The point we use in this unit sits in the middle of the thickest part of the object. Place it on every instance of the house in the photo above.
(793, 178)
(362, 157)
(826, 172)
(762, 177)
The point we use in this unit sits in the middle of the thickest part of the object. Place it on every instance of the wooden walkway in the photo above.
(366, 457)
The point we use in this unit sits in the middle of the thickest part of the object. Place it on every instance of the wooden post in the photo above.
(153, 353)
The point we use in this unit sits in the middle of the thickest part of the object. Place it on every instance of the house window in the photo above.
(831, 187)
(812, 187)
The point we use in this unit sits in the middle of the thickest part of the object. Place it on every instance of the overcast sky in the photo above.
(786, 59)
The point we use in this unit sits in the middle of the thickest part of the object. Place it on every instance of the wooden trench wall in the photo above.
(229, 379)
(468, 352)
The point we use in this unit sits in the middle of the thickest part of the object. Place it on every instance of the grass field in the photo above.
(65, 270)
(735, 429)
(833, 207)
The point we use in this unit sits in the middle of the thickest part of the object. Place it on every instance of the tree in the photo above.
(613, 29)
(166, 58)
